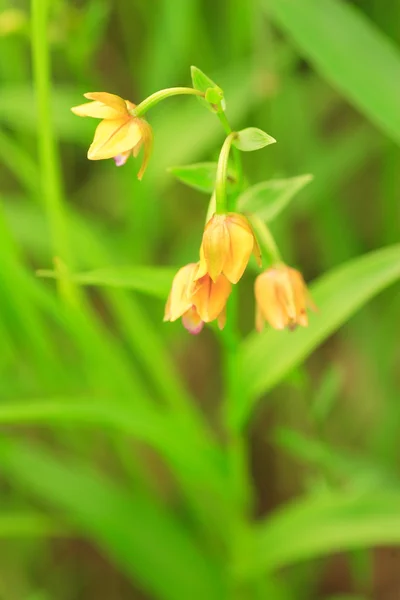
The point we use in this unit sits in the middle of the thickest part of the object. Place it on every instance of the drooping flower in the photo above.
(228, 242)
(197, 301)
(282, 298)
(119, 134)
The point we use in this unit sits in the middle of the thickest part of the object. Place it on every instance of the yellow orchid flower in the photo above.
(228, 242)
(197, 301)
(282, 298)
(119, 134)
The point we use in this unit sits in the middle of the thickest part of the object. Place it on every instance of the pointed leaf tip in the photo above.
(252, 138)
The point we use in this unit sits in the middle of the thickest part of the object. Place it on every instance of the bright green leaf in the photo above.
(323, 524)
(145, 540)
(266, 358)
(349, 51)
(201, 176)
(154, 281)
(214, 96)
(203, 83)
(29, 524)
(269, 198)
(251, 139)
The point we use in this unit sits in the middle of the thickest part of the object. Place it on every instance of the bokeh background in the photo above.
(107, 486)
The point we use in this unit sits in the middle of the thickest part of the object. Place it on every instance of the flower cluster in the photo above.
(201, 290)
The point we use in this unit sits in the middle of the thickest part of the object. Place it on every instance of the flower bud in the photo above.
(228, 242)
(282, 298)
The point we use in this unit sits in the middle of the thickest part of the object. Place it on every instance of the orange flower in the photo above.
(228, 242)
(197, 301)
(119, 134)
(282, 298)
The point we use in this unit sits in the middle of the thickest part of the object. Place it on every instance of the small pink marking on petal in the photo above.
(192, 322)
(121, 159)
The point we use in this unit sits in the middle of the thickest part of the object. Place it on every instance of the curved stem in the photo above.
(265, 239)
(222, 170)
(236, 152)
(157, 97)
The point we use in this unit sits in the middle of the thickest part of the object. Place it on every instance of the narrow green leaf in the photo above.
(319, 525)
(214, 94)
(251, 139)
(194, 460)
(201, 176)
(360, 62)
(154, 281)
(357, 471)
(149, 544)
(267, 357)
(29, 524)
(269, 198)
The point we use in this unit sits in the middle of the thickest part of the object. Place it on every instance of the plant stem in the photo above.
(157, 97)
(266, 240)
(48, 158)
(222, 169)
(237, 157)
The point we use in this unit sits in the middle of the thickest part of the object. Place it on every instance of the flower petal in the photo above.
(269, 304)
(241, 246)
(95, 109)
(113, 137)
(111, 100)
(179, 301)
(192, 321)
(210, 299)
(147, 139)
(215, 245)
(121, 159)
(202, 268)
(300, 295)
(221, 319)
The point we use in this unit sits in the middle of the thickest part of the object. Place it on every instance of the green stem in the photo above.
(237, 157)
(265, 239)
(222, 170)
(157, 97)
(48, 158)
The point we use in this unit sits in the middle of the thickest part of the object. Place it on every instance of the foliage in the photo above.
(125, 432)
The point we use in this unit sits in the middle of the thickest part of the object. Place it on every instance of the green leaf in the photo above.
(214, 100)
(154, 281)
(194, 460)
(358, 472)
(266, 358)
(29, 524)
(201, 176)
(360, 62)
(322, 524)
(146, 541)
(269, 198)
(214, 96)
(251, 139)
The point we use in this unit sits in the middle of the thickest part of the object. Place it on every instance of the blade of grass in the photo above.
(314, 25)
(322, 524)
(48, 160)
(131, 528)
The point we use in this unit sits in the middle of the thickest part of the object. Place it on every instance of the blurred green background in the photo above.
(122, 475)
